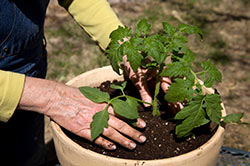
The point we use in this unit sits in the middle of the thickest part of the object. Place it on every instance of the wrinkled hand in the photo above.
(70, 109)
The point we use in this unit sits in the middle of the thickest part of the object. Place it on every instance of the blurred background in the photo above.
(226, 28)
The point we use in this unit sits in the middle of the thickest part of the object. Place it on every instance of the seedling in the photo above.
(150, 51)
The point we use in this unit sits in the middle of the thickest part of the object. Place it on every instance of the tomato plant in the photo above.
(149, 51)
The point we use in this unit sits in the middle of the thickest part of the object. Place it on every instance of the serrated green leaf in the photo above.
(133, 106)
(155, 49)
(169, 29)
(115, 57)
(213, 107)
(124, 84)
(130, 49)
(94, 94)
(123, 109)
(233, 118)
(192, 107)
(194, 116)
(100, 121)
(188, 55)
(180, 41)
(114, 86)
(149, 65)
(213, 73)
(185, 128)
(143, 27)
(179, 91)
(176, 69)
(120, 33)
(189, 29)
(121, 87)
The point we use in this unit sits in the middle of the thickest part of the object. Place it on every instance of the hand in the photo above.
(174, 107)
(70, 109)
(142, 77)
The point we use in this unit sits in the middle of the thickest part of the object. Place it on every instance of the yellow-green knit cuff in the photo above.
(96, 17)
(11, 87)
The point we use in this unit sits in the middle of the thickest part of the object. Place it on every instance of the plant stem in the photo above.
(156, 111)
(155, 105)
(195, 76)
(138, 100)
(201, 72)
(133, 98)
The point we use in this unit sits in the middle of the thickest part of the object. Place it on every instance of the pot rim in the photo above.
(196, 152)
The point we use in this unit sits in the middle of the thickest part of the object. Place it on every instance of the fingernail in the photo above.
(132, 145)
(142, 138)
(112, 147)
(142, 124)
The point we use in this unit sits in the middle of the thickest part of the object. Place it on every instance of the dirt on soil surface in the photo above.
(226, 25)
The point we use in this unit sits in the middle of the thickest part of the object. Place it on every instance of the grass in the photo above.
(71, 52)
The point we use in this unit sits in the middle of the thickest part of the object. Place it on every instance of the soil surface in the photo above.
(161, 140)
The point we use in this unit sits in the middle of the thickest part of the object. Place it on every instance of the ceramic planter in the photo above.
(70, 153)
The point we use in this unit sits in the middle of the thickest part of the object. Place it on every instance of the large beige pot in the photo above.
(70, 153)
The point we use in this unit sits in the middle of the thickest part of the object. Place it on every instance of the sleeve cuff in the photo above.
(96, 17)
(11, 86)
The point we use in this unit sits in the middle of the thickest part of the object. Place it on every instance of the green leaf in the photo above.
(193, 106)
(94, 94)
(194, 116)
(143, 27)
(188, 55)
(177, 69)
(179, 91)
(121, 87)
(123, 109)
(133, 106)
(189, 29)
(213, 73)
(233, 118)
(120, 33)
(100, 120)
(115, 56)
(130, 48)
(213, 107)
(186, 127)
(180, 41)
(149, 65)
(155, 49)
(169, 29)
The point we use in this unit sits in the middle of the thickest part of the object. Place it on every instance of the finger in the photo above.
(175, 107)
(144, 91)
(114, 135)
(105, 143)
(140, 123)
(165, 83)
(145, 95)
(99, 140)
(124, 128)
(111, 110)
(180, 106)
(140, 81)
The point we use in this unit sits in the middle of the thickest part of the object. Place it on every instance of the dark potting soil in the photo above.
(161, 140)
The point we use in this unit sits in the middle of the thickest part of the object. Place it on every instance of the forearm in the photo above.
(36, 94)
